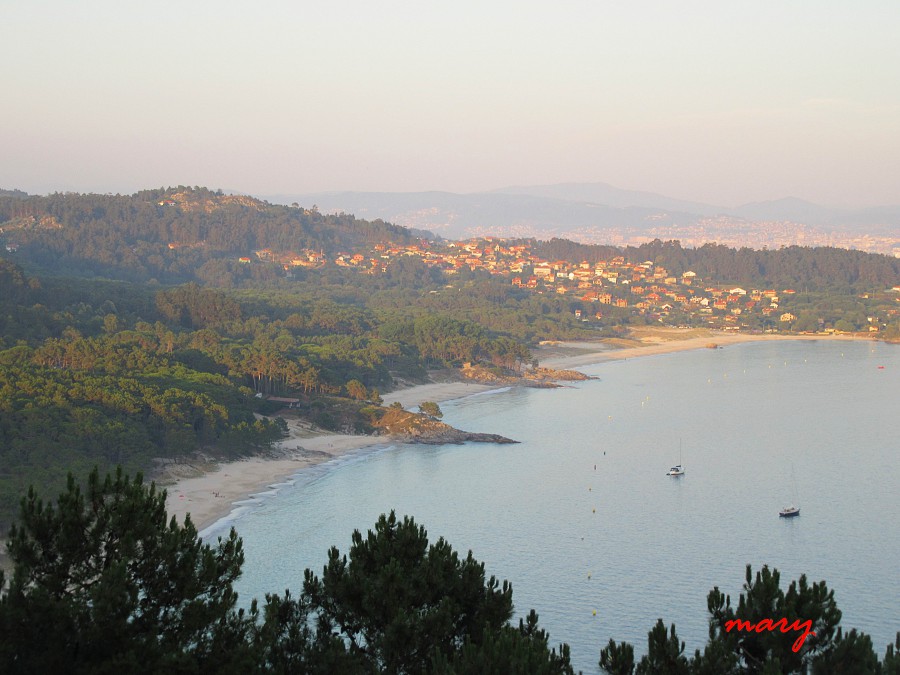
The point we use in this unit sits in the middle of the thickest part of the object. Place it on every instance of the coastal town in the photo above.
(607, 288)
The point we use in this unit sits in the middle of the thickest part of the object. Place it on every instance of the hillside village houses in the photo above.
(643, 288)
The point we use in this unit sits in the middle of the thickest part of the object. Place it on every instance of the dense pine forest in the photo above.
(147, 327)
(113, 373)
(129, 237)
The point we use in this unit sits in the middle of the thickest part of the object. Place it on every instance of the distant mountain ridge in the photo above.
(609, 195)
(556, 210)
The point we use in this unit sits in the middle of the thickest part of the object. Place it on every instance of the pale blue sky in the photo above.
(723, 101)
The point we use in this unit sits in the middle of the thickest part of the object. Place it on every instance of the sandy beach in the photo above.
(658, 341)
(411, 397)
(212, 494)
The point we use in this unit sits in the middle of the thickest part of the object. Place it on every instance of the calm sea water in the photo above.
(581, 518)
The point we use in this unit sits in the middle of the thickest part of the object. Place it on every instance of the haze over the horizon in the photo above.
(719, 101)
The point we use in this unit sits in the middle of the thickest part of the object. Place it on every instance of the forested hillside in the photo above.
(109, 373)
(145, 327)
(171, 235)
(820, 269)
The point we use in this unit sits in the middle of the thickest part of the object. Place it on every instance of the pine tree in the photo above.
(399, 602)
(102, 583)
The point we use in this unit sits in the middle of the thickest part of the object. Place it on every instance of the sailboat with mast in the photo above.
(791, 511)
(678, 469)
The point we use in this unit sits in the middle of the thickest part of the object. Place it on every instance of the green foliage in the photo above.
(431, 409)
(102, 583)
(786, 267)
(665, 654)
(399, 602)
(288, 641)
(357, 390)
(117, 399)
(617, 658)
(522, 651)
(852, 654)
(129, 237)
(190, 306)
(764, 599)
(750, 647)
(891, 663)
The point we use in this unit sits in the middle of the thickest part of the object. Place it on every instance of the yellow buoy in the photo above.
(595, 612)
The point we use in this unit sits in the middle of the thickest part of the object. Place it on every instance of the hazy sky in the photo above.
(723, 101)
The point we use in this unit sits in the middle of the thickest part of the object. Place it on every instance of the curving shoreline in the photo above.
(666, 341)
(212, 495)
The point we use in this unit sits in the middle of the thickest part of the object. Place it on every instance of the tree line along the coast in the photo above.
(104, 581)
(100, 372)
(117, 349)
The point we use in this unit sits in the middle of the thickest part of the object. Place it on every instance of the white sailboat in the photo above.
(678, 469)
(791, 510)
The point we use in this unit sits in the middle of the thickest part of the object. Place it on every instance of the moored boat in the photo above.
(676, 470)
(789, 511)
(792, 510)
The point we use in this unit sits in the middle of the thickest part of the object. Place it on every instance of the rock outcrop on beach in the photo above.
(409, 427)
(553, 375)
(451, 435)
(534, 377)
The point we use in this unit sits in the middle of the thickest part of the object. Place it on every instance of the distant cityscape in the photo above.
(725, 230)
(598, 213)
(735, 233)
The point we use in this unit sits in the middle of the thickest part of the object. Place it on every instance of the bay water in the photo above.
(581, 517)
